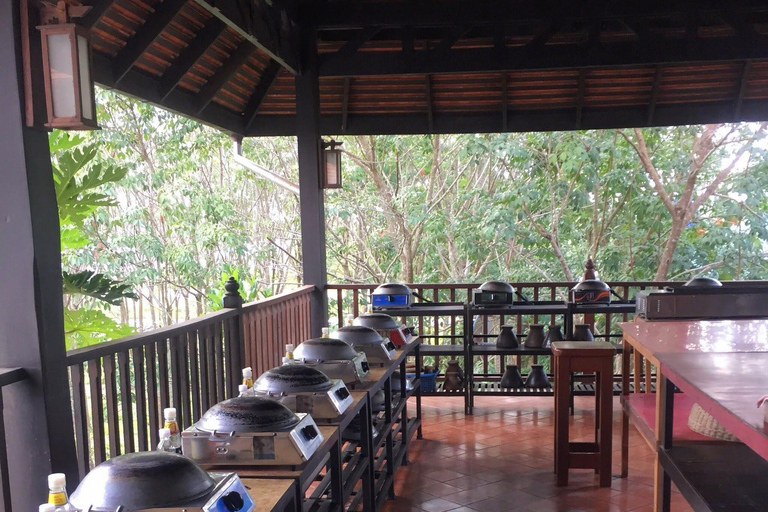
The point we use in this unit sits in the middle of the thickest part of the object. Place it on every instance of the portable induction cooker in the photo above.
(305, 389)
(377, 350)
(591, 291)
(334, 358)
(386, 326)
(159, 482)
(392, 295)
(251, 430)
(493, 293)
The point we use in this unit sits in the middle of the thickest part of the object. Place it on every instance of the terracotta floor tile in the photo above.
(501, 459)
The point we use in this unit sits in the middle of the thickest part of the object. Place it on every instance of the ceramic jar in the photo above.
(537, 378)
(452, 382)
(535, 337)
(507, 337)
(581, 332)
(553, 334)
(453, 366)
(512, 378)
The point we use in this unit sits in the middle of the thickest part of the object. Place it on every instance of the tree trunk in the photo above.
(678, 224)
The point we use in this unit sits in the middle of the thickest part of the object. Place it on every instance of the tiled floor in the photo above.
(501, 459)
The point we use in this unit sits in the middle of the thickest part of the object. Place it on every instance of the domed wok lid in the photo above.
(591, 285)
(358, 335)
(324, 349)
(497, 287)
(392, 289)
(248, 414)
(292, 378)
(703, 282)
(377, 321)
(378, 401)
(143, 480)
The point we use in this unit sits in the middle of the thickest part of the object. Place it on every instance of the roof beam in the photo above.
(98, 10)
(537, 56)
(190, 55)
(521, 121)
(145, 35)
(263, 24)
(267, 80)
(141, 86)
(430, 107)
(345, 104)
(222, 75)
(742, 89)
(580, 96)
(654, 94)
(359, 39)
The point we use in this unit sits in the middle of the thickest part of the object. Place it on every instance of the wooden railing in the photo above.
(120, 388)
(271, 324)
(8, 376)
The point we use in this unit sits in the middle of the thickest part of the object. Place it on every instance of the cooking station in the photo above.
(344, 472)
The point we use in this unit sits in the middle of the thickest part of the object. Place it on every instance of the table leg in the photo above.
(366, 440)
(648, 382)
(638, 371)
(557, 432)
(664, 423)
(605, 378)
(624, 416)
(419, 433)
(562, 383)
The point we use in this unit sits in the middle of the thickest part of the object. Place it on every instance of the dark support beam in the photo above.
(742, 89)
(430, 108)
(98, 10)
(38, 414)
(222, 75)
(504, 103)
(358, 40)
(312, 205)
(580, 96)
(190, 55)
(345, 104)
(143, 87)
(145, 35)
(654, 94)
(408, 40)
(266, 81)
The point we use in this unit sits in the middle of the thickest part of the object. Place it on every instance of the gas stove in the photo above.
(305, 389)
(392, 295)
(334, 358)
(251, 430)
(159, 482)
(377, 350)
(493, 293)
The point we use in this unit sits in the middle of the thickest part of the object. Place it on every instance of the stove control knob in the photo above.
(233, 501)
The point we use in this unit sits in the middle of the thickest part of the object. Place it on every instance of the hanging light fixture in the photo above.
(67, 71)
(331, 164)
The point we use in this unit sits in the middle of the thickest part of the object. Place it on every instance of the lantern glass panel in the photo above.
(332, 168)
(62, 75)
(86, 101)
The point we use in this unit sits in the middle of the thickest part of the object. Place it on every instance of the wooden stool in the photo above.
(591, 357)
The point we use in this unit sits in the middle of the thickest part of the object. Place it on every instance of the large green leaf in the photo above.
(85, 327)
(97, 286)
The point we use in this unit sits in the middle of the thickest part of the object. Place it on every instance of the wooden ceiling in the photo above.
(439, 66)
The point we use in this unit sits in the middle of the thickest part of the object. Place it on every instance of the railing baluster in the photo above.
(126, 407)
(202, 344)
(77, 374)
(110, 384)
(153, 411)
(183, 362)
(194, 375)
(141, 397)
(210, 351)
(162, 375)
(97, 411)
(220, 370)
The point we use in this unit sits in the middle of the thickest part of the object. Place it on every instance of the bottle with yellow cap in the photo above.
(325, 332)
(248, 377)
(57, 493)
(169, 415)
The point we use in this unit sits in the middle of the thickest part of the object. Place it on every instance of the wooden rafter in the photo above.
(654, 94)
(430, 106)
(345, 104)
(145, 36)
(580, 96)
(224, 74)
(266, 81)
(742, 89)
(98, 10)
(190, 55)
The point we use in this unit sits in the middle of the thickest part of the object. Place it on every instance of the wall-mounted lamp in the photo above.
(331, 164)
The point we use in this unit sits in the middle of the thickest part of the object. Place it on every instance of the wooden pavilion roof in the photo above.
(392, 66)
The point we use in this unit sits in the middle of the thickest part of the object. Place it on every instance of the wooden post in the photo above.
(235, 341)
(38, 411)
(311, 195)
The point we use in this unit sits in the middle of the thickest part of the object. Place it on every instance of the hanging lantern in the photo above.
(331, 164)
(69, 90)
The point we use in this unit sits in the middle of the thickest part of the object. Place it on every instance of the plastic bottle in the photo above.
(57, 493)
(326, 333)
(350, 319)
(248, 377)
(244, 390)
(169, 415)
(165, 441)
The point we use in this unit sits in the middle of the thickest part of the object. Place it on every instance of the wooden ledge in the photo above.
(582, 348)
